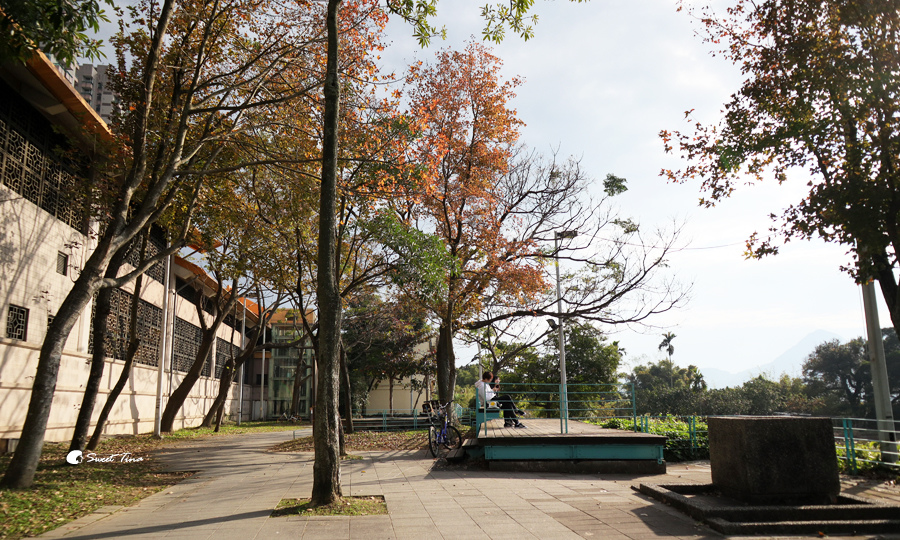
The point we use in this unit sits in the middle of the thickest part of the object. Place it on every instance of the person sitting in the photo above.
(487, 389)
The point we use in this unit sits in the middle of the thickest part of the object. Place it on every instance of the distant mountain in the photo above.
(790, 362)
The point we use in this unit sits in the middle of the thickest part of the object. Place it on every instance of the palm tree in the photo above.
(667, 344)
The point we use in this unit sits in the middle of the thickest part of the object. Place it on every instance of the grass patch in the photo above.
(365, 440)
(346, 506)
(62, 493)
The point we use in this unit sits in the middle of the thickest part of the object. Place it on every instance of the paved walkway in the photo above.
(239, 483)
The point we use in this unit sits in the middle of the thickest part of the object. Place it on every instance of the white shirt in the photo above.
(485, 393)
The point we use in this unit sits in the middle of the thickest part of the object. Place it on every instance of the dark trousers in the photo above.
(507, 406)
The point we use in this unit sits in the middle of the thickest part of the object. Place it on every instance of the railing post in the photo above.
(693, 429)
(849, 444)
(633, 406)
(415, 419)
(561, 408)
(383, 420)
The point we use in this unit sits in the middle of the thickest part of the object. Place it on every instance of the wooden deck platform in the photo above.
(541, 443)
(548, 428)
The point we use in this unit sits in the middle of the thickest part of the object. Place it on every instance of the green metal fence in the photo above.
(860, 443)
(687, 437)
(585, 402)
(390, 420)
(401, 419)
(863, 443)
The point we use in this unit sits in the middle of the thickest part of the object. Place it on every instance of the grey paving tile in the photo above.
(232, 497)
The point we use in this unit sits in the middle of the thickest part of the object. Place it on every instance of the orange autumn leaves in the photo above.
(467, 133)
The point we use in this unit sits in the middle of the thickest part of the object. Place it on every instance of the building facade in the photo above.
(45, 239)
(272, 374)
(92, 83)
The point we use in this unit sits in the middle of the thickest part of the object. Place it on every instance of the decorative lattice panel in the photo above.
(224, 351)
(17, 323)
(149, 329)
(29, 163)
(155, 244)
(186, 345)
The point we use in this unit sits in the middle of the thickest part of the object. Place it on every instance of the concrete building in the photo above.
(409, 393)
(271, 375)
(44, 241)
(92, 83)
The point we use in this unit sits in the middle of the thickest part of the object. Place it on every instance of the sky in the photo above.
(602, 79)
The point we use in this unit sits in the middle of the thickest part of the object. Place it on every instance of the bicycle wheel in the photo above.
(432, 441)
(453, 439)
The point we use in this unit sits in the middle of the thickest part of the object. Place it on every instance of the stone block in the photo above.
(774, 460)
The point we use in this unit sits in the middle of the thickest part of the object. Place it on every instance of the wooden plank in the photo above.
(548, 430)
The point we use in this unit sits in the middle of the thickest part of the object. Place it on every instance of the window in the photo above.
(17, 323)
(62, 263)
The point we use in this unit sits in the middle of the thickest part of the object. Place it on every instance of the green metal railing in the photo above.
(586, 402)
(401, 419)
(687, 437)
(859, 442)
(863, 443)
(390, 420)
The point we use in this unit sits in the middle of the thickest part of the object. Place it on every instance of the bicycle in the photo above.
(287, 417)
(442, 437)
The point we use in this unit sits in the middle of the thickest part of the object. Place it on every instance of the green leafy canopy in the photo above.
(58, 27)
(423, 260)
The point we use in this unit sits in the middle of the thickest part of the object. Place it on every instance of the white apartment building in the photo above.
(93, 85)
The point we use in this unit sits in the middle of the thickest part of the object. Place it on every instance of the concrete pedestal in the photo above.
(774, 460)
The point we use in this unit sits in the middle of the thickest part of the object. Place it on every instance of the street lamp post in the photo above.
(564, 395)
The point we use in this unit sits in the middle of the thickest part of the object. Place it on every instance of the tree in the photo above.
(58, 27)
(839, 374)
(493, 208)
(821, 93)
(667, 344)
(465, 147)
(387, 339)
(590, 358)
(666, 374)
(99, 357)
(326, 470)
(99, 332)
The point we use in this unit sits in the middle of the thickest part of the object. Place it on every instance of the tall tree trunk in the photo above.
(348, 397)
(221, 306)
(889, 291)
(299, 378)
(180, 395)
(114, 393)
(22, 466)
(446, 363)
(133, 344)
(98, 357)
(391, 394)
(219, 415)
(225, 380)
(98, 361)
(326, 487)
(235, 364)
